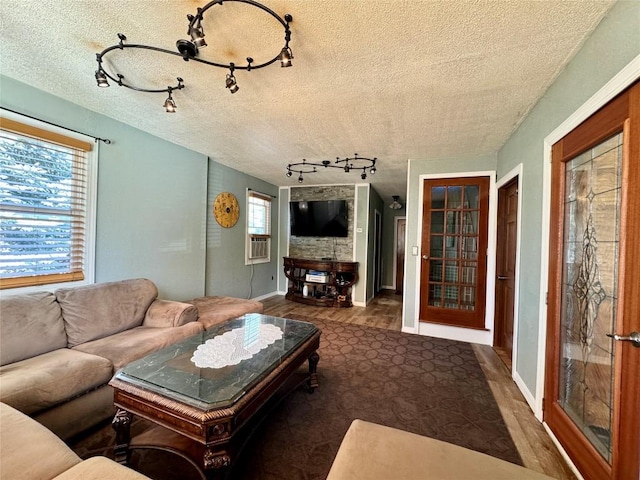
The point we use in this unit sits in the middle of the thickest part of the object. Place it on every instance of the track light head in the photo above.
(285, 57)
(101, 79)
(169, 104)
(289, 173)
(197, 32)
(231, 83)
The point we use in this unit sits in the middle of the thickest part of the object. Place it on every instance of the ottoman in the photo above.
(375, 452)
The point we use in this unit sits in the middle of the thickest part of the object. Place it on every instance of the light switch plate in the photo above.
(414, 251)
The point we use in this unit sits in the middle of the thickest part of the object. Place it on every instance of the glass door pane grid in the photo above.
(453, 246)
(590, 272)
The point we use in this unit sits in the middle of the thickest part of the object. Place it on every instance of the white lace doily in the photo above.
(236, 345)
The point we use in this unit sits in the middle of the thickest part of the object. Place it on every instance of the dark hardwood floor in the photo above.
(385, 311)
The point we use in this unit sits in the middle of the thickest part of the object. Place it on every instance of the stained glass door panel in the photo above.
(454, 228)
(590, 289)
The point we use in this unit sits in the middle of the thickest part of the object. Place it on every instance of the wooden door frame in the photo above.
(395, 247)
(619, 115)
(516, 172)
(483, 337)
(615, 86)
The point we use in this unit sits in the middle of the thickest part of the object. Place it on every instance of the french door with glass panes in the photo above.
(454, 246)
(592, 386)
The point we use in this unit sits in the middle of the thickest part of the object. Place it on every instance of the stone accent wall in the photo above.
(336, 248)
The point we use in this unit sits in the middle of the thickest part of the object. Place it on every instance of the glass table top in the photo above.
(213, 369)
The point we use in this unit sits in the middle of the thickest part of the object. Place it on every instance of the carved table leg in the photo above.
(215, 463)
(312, 383)
(122, 425)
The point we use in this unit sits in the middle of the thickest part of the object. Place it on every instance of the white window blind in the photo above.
(258, 227)
(43, 190)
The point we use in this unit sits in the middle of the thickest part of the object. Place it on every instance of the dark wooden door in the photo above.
(592, 382)
(401, 226)
(454, 251)
(506, 267)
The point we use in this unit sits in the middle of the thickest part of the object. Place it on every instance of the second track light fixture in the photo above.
(347, 164)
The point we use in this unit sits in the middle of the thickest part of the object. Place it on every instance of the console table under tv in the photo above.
(324, 283)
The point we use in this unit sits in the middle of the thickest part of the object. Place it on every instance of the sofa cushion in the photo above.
(215, 310)
(100, 468)
(40, 382)
(102, 309)
(125, 347)
(29, 450)
(31, 324)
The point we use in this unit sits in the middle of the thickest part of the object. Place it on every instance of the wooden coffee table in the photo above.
(209, 392)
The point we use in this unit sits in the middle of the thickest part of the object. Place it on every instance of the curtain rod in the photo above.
(262, 193)
(96, 139)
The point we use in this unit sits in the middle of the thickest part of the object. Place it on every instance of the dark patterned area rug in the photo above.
(429, 386)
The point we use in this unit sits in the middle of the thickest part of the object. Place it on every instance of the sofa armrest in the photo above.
(167, 313)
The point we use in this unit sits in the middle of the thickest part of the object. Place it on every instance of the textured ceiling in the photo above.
(391, 79)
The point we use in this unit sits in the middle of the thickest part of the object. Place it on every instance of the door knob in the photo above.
(633, 337)
(425, 257)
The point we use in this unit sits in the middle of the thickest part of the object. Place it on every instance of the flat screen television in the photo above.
(326, 218)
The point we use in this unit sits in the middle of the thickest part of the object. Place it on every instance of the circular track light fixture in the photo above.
(189, 49)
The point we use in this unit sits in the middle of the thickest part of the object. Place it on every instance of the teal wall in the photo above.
(375, 204)
(226, 272)
(614, 43)
(388, 238)
(412, 263)
(361, 240)
(284, 196)
(151, 196)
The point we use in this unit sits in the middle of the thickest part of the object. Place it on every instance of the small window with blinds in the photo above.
(258, 248)
(43, 205)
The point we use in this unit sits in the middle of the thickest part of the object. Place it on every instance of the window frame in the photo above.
(90, 204)
(248, 236)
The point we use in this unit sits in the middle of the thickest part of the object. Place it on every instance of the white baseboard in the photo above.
(483, 337)
(408, 329)
(528, 396)
(563, 452)
(387, 287)
(359, 304)
(266, 295)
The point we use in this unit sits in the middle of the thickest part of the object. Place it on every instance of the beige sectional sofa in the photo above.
(31, 452)
(59, 350)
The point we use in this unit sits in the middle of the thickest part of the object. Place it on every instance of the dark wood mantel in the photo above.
(334, 290)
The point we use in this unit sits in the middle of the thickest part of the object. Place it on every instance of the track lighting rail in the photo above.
(347, 164)
(189, 49)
